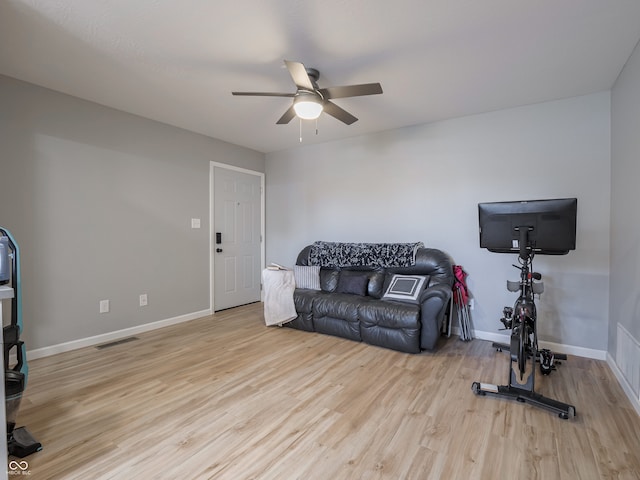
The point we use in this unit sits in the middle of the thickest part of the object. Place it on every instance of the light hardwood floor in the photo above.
(224, 397)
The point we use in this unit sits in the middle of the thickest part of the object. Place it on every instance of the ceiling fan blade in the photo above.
(339, 113)
(263, 94)
(299, 75)
(351, 90)
(287, 117)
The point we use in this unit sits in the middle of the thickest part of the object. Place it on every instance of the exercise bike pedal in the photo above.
(546, 359)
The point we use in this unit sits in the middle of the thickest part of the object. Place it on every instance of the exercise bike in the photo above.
(523, 347)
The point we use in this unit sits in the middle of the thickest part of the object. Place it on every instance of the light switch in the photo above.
(195, 223)
(104, 306)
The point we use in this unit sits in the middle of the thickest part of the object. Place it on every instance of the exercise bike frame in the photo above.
(524, 342)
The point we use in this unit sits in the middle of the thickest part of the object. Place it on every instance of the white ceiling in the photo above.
(178, 61)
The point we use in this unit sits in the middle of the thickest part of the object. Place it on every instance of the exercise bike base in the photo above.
(564, 410)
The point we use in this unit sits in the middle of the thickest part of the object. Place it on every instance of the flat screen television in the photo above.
(545, 227)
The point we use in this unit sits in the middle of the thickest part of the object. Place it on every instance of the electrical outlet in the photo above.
(143, 300)
(195, 223)
(104, 306)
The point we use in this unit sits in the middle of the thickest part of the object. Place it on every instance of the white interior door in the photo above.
(237, 239)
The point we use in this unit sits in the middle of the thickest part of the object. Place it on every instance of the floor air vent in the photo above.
(628, 358)
(117, 342)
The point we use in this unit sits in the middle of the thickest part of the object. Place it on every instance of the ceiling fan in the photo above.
(309, 101)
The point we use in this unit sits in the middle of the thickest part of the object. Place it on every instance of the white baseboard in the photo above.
(555, 347)
(111, 336)
(623, 383)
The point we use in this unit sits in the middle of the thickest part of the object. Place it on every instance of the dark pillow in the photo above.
(406, 288)
(353, 282)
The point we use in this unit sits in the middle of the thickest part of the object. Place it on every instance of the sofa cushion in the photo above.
(389, 314)
(406, 288)
(307, 277)
(353, 282)
(391, 324)
(337, 305)
(337, 314)
(303, 299)
(375, 288)
(401, 339)
(329, 279)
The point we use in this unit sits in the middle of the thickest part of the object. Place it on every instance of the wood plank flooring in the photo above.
(224, 397)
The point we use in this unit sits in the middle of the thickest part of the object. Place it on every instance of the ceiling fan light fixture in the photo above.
(307, 106)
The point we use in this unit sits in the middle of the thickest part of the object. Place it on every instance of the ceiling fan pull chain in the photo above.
(300, 120)
(316, 126)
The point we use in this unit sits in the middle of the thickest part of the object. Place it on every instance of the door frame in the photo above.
(212, 256)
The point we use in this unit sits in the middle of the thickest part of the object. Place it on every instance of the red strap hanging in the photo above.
(460, 285)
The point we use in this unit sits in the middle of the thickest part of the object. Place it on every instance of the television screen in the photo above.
(547, 226)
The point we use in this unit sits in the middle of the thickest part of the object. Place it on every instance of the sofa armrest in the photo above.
(439, 290)
(433, 302)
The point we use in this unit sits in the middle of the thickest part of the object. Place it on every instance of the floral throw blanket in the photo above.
(335, 254)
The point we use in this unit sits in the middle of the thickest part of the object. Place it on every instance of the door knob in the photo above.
(218, 250)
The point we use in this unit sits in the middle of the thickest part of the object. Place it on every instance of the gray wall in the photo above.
(625, 225)
(100, 202)
(424, 183)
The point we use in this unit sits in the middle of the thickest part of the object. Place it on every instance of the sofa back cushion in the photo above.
(375, 288)
(357, 281)
(432, 262)
(329, 279)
